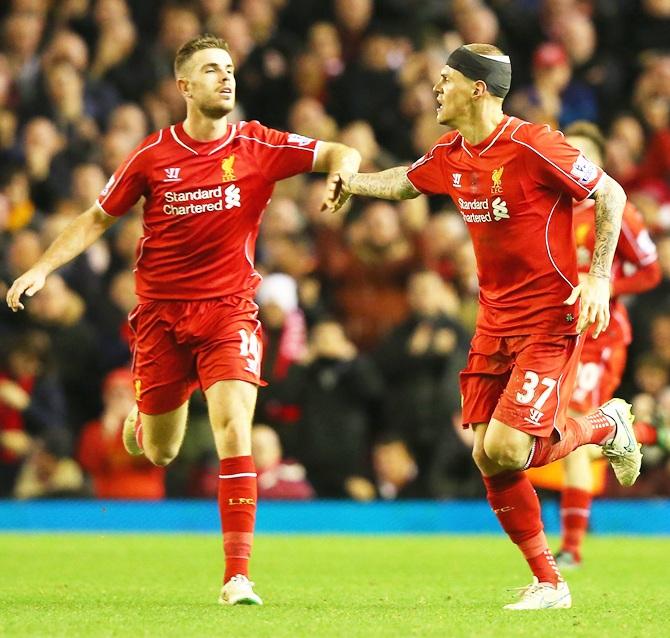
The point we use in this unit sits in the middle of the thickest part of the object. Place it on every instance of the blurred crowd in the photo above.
(367, 316)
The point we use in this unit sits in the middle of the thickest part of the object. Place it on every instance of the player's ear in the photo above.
(182, 85)
(479, 88)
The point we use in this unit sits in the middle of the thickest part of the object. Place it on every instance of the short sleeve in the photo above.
(129, 182)
(560, 165)
(426, 174)
(280, 154)
(635, 243)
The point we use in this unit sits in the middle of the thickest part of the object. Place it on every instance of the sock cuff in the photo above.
(237, 465)
(503, 481)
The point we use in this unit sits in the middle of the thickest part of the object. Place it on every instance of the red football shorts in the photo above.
(598, 374)
(178, 345)
(525, 382)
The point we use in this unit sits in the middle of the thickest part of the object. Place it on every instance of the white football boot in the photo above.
(623, 451)
(129, 434)
(239, 591)
(542, 596)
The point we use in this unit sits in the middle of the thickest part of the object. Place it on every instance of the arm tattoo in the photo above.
(389, 184)
(610, 202)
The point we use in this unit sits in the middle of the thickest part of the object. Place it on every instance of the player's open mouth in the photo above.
(226, 92)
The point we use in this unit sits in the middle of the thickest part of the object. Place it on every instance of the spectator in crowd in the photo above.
(48, 471)
(336, 391)
(32, 403)
(278, 478)
(114, 473)
(395, 470)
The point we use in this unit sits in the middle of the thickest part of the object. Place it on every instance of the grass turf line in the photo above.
(320, 586)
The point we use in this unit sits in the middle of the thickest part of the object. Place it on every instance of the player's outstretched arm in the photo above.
(77, 236)
(389, 184)
(594, 289)
(335, 159)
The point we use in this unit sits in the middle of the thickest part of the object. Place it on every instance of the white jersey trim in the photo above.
(302, 148)
(316, 153)
(123, 172)
(546, 240)
(546, 159)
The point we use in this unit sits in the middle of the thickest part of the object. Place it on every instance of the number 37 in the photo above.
(527, 394)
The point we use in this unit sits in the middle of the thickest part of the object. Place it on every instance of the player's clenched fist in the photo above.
(595, 295)
(29, 283)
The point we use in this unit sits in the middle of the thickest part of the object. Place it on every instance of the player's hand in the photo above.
(29, 283)
(336, 194)
(595, 295)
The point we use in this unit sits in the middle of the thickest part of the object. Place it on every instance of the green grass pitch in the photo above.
(321, 586)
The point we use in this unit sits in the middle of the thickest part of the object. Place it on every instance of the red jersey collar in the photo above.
(486, 144)
(201, 148)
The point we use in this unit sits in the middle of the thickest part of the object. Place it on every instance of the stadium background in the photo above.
(362, 353)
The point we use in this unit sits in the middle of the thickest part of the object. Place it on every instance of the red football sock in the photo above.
(237, 507)
(645, 433)
(594, 428)
(575, 514)
(515, 503)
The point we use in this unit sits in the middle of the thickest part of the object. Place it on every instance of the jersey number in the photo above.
(250, 350)
(528, 389)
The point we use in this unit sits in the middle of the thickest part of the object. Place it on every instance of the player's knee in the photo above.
(234, 432)
(479, 456)
(506, 454)
(160, 456)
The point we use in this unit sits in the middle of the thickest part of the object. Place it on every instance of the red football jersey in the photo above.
(515, 192)
(203, 206)
(635, 250)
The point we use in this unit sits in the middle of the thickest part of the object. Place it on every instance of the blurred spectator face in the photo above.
(42, 134)
(23, 32)
(17, 188)
(353, 17)
(260, 15)
(24, 250)
(122, 291)
(586, 147)
(393, 463)
(87, 182)
(381, 224)
(663, 247)
(118, 393)
(628, 129)
(651, 375)
(660, 336)
(477, 24)
(107, 12)
(265, 447)
(116, 146)
(309, 77)
(211, 8)
(577, 34)
(550, 66)
(32, 6)
(324, 41)
(426, 130)
(178, 25)
(64, 82)
(67, 46)
(308, 117)
(376, 52)
(282, 218)
(234, 29)
(130, 120)
(360, 136)
(425, 293)
(50, 303)
(656, 8)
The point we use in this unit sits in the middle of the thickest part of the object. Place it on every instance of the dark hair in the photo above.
(589, 131)
(199, 43)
